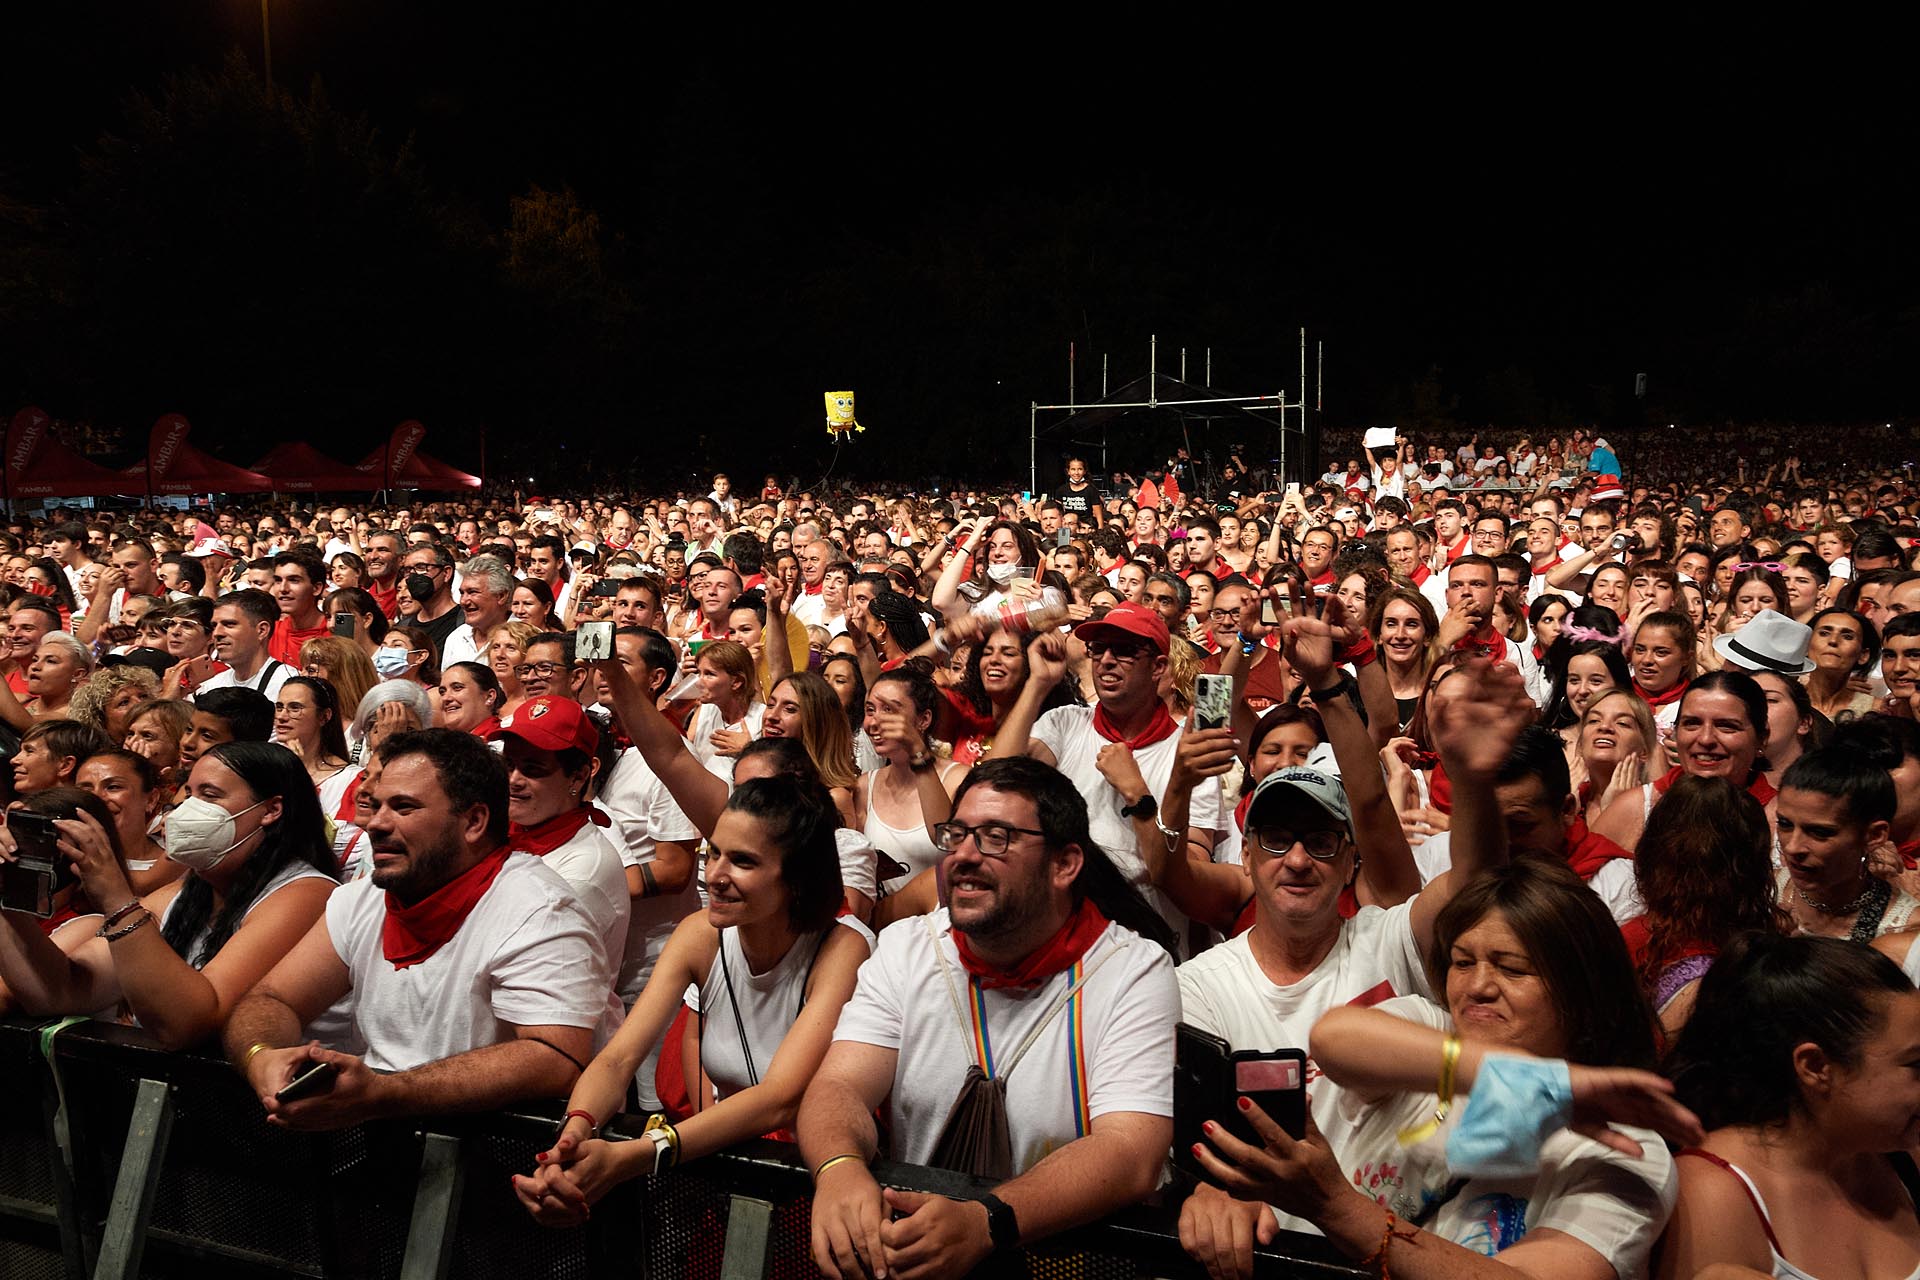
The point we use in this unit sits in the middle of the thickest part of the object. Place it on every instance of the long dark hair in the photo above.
(1063, 819)
(1704, 865)
(1575, 947)
(800, 816)
(1559, 713)
(1064, 694)
(269, 770)
(857, 705)
(1765, 995)
(326, 701)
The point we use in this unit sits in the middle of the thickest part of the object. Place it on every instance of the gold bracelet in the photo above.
(1449, 1063)
(256, 1047)
(834, 1160)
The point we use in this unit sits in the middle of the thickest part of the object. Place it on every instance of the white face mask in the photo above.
(200, 833)
(1002, 574)
(389, 662)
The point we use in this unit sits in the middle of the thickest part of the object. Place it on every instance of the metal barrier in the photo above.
(118, 1160)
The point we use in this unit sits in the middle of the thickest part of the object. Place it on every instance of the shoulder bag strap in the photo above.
(1066, 997)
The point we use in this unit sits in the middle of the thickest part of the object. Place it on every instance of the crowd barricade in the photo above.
(120, 1160)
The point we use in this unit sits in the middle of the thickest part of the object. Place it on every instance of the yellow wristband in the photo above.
(1449, 1063)
(829, 1163)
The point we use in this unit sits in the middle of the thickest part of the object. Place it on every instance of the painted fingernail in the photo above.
(1198, 1150)
(1207, 1128)
(540, 1157)
(1246, 1104)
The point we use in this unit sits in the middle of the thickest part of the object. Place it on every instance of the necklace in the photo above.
(1868, 909)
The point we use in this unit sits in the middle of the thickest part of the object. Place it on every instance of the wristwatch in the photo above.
(1145, 807)
(1002, 1227)
(922, 760)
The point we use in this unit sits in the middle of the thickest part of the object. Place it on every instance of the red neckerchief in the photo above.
(1483, 649)
(1322, 584)
(813, 590)
(1162, 726)
(1538, 655)
(1661, 699)
(1458, 549)
(486, 728)
(1909, 853)
(1420, 575)
(412, 934)
(345, 812)
(757, 582)
(1758, 787)
(1588, 852)
(1062, 951)
(543, 838)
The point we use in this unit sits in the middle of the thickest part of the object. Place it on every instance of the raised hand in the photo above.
(1474, 716)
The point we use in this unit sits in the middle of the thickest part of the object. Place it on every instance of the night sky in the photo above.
(930, 216)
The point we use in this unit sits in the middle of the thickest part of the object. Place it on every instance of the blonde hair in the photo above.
(1183, 664)
(735, 661)
(1642, 715)
(824, 729)
(349, 670)
(90, 698)
(521, 633)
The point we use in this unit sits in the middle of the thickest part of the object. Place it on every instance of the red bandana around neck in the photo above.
(1909, 854)
(1587, 853)
(1062, 951)
(543, 838)
(1661, 699)
(410, 935)
(1163, 725)
(485, 729)
(1758, 787)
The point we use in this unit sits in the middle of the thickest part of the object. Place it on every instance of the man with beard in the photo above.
(471, 973)
(382, 550)
(1038, 921)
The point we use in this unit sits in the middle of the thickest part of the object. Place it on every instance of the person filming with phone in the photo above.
(258, 875)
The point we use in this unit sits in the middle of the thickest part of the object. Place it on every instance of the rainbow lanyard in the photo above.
(1076, 1046)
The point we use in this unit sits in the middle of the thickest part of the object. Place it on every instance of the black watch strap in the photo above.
(1145, 807)
(1002, 1228)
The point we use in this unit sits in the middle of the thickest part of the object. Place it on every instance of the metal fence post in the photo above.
(125, 1237)
(436, 1208)
(749, 1227)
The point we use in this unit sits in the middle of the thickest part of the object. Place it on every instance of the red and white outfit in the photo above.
(733, 1054)
(524, 955)
(810, 606)
(1108, 1049)
(575, 845)
(1225, 991)
(1069, 733)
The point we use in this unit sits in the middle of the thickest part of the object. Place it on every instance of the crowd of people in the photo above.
(1560, 835)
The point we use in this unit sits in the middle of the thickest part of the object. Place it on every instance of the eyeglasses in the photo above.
(1224, 615)
(1098, 649)
(990, 838)
(1321, 846)
(525, 669)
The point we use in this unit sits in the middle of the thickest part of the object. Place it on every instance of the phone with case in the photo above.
(1209, 1077)
(1212, 701)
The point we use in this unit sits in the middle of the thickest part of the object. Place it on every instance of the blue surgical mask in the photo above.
(389, 662)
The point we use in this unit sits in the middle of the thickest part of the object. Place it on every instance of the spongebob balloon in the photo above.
(840, 419)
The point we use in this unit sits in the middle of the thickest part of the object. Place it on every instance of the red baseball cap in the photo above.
(1132, 621)
(551, 724)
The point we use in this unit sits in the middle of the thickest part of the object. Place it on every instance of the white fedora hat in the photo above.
(1770, 641)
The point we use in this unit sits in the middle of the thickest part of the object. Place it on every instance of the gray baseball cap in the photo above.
(1283, 786)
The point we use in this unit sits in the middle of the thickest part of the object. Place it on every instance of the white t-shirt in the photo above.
(460, 647)
(590, 863)
(528, 955)
(1614, 1204)
(1068, 733)
(706, 719)
(1112, 1052)
(809, 609)
(266, 681)
(644, 813)
(1224, 991)
(1614, 881)
(769, 1003)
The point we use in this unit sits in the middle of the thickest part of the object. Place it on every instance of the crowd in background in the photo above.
(1551, 809)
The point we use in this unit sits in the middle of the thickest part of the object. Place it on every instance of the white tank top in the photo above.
(737, 1042)
(911, 847)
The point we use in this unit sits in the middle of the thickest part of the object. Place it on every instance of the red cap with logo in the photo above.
(552, 724)
(1128, 621)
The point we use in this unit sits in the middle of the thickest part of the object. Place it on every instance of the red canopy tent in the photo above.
(175, 467)
(300, 468)
(39, 466)
(401, 465)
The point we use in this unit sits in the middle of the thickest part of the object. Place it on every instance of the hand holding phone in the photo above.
(315, 1080)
